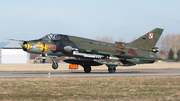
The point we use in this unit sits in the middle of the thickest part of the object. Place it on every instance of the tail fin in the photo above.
(149, 40)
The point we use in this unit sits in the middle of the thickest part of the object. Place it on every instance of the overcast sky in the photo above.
(32, 19)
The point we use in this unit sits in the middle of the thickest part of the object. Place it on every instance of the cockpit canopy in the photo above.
(54, 37)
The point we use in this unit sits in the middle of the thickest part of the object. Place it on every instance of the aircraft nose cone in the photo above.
(27, 46)
(23, 46)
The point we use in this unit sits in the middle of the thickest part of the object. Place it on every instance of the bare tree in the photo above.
(121, 40)
(105, 39)
(169, 41)
(134, 38)
(174, 43)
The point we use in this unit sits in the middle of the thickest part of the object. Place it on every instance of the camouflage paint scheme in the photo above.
(94, 53)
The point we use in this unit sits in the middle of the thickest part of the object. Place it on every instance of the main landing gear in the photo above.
(54, 64)
(111, 69)
(87, 68)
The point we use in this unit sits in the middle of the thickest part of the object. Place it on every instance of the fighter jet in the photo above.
(89, 52)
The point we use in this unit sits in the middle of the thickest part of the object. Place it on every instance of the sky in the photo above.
(33, 19)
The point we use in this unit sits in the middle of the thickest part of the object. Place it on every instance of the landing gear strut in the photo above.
(111, 69)
(54, 64)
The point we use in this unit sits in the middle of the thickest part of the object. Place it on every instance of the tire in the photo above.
(112, 70)
(87, 69)
(55, 65)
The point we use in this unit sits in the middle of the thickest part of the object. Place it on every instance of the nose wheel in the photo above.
(54, 64)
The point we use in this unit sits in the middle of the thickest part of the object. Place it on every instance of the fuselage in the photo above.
(89, 52)
(64, 45)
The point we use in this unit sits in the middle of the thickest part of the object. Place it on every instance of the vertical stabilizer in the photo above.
(149, 40)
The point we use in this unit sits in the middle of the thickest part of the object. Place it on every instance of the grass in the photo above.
(91, 88)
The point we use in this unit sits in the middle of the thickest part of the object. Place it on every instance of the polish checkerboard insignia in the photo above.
(150, 35)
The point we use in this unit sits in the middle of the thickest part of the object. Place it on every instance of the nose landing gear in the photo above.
(54, 64)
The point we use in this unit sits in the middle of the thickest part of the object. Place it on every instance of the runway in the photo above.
(92, 74)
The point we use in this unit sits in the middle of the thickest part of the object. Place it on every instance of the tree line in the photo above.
(169, 41)
(170, 44)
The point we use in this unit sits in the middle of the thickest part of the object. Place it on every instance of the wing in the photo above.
(16, 40)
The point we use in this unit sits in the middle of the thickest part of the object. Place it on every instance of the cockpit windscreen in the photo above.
(54, 37)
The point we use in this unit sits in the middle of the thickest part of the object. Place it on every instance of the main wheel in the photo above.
(55, 65)
(87, 69)
(112, 70)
